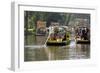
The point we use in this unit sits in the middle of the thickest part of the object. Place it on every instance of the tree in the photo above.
(53, 17)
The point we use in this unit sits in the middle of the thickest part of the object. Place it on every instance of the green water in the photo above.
(68, 52)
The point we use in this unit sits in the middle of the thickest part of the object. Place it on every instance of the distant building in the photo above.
(41, 28)
(41, 24)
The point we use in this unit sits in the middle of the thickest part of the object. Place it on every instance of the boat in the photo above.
(59, 37)
(54, 43)
(41, 31)
(83, 35)
(83, 41)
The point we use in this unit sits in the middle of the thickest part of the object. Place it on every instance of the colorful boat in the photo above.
(83, 35)
(58, 37)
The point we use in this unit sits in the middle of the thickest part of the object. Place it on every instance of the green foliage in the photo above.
(31, 18)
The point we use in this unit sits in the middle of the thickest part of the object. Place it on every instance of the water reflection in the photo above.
(34, 40)
(72, 51)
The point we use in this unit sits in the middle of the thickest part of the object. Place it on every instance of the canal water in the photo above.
(68, 52)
